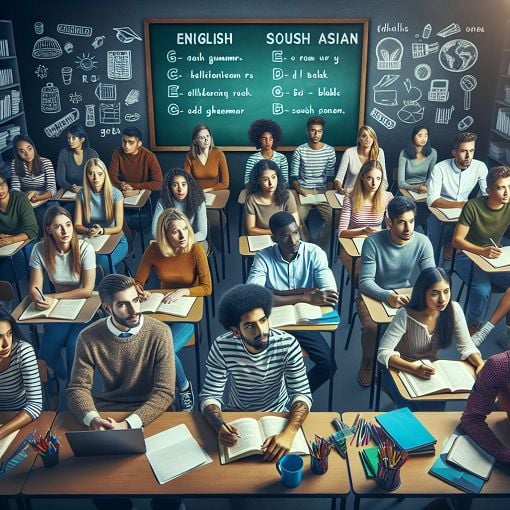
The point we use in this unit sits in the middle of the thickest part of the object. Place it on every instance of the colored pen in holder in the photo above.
(319, 453)
(391, 460)
(47, 447)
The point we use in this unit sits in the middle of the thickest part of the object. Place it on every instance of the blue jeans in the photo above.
(480, 287)
(181, 333)
(439, 233)
(55, 338)
(117, 255)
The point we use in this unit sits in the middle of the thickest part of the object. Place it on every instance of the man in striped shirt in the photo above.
(265, 368)
(311, 173)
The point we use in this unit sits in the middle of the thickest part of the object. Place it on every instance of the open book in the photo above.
(294, 314)
(256, 243)
(66, 309)
(502, 260)
(320, 198)
(253, 434)
(450, 377)
(417, 196)
(69, 195)
(9, 249)
(133, 199)
(470, 457)
(358, 242)
(155, 304)
(173, 452)
(6, 442)
(97, 242)
(451, 213)
(393, 311)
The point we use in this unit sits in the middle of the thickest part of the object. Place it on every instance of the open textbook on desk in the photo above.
(503, 260)
(67, 309)
(253, 434)
(450, 377)
(301, 313)
(180, 307)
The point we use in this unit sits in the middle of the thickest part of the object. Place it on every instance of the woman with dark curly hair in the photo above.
(180, 191)
(267, 193)
(266, 135)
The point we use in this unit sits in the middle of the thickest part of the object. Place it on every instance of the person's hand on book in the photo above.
(397, 300)
(275, 447)
(325, 297)
(143, 295)
(175, 295)
(6, 239)
(228, 437)
(421, 188)
(423, 370)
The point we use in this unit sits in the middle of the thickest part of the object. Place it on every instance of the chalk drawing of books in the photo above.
(109, 113)
(119, 64)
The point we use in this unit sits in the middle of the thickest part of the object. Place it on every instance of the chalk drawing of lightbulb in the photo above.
(389, 52)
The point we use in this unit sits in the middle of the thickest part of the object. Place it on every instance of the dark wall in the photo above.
(396, 19)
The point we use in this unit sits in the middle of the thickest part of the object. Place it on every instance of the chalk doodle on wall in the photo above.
(90, 115)
(75, 98)
(76, 30)
(86, 62)
(39, 27)
(132, 117)
(126, 35)
(67, 75)
(451, 29)
(384, 93)
(458, 55)
(420, 50)
(132, 97)
(438, 91)
(414, 94)
(46, 48)
(411, 113)
(443, 115)
(106, 92)
(50, 99)
(41, 71)
(382, 118)
(465, 123)
(55, 129)
(468, 83)
(422, 72)
(98, 42)
(427, 30)
(109, 113)
(389, 52)
(119, 64)
(68, 47)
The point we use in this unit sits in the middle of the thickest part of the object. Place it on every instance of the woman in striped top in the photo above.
(364, 209)
(31, 173)
(20, 386)
(429, 322)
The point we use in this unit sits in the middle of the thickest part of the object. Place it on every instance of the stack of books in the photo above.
(6, 77)
(4, 48)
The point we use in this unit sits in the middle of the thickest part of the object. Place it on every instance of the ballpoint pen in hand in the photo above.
(40, 293)
(231, 431)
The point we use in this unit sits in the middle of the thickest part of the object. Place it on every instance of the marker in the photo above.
(40, 294)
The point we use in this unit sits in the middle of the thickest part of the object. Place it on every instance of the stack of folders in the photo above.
(369, 461)
(407, 432)
(463, 464)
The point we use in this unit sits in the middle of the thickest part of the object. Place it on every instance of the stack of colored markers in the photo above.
(364, 431)
(48, 445)
(320, 449)
(391, 459)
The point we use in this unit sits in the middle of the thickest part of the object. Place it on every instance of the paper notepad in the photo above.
(6, 251)
(502, 260)
(69, 195)
(97, 242)
(65, 309)
(6, 442)
(256, 243)
(451, 214)
(389, 309)
(358, 242)
(320, 198)
(340, 199)
(470, 457)
(133, 199)
(417, 196)
(173, 452)
(155, 304)
(209, 199)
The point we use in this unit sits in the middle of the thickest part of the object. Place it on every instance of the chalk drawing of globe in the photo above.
(458, 55)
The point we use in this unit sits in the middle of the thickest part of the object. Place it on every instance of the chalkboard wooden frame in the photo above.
(362, 22)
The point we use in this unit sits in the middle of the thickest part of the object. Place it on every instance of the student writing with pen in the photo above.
(264, 366)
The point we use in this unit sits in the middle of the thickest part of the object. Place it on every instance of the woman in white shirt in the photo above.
(354, 157)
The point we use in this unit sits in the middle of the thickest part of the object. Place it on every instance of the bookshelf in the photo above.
(12, 115)
(499, 137)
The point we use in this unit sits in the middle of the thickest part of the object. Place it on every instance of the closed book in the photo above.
(370, 461)
(468, 456)
(406, 431)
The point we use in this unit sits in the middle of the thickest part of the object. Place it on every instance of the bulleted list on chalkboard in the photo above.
(226, 76)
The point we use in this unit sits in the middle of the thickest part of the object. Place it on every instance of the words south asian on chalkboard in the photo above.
(227, 73)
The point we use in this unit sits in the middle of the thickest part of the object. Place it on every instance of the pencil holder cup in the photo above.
(387, 478)
(50, 459)
(290, 468)
(319, 465)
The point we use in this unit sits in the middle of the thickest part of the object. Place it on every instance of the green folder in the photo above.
(369, 460)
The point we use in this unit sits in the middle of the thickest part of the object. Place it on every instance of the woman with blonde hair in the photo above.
(181, 266)
(70, 264)
(100, 210)
(354, 157)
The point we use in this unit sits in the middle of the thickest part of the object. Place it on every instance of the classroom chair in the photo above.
(6, 295)
(50, 402)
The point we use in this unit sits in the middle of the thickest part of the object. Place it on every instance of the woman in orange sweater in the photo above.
(181, 265)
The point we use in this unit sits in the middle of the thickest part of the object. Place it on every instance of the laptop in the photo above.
(106, 442)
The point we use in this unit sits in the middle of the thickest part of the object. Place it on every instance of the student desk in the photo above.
(331, 197)
(241, 200)
(132, 475)
(143, 197)
(10, 256)
(406, 193)
(86, 314)
(443, 219)
(246, 253)
(108, 247)
(416, 481)
(12, 483)
(219, 204)
(321, 328)
(379, 315)
(194, 316)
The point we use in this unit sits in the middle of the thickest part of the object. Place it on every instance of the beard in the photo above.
(128, 322)
(259, 343)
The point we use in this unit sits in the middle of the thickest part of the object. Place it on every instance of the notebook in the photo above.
(451, 214)
(502, 260)
(320, 198)
(358, 242)
(468, 456)
(393, 311)
(106, 442)
(256, 243)
(417, 196)
(133, 199)
(9, 249)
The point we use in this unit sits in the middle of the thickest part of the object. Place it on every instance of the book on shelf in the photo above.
(253, 434)
(6, 442)
(320, 198)
(133, 199)
(453, 475)
(180, 307)
(450, 377)
(256, 243)
(502, 261)
(417, 196)
(468, 456)
(300, 313)
(176, 443)
(393, 311)
(65, 309)
(406, 431)
(451, 213)
(9, 249)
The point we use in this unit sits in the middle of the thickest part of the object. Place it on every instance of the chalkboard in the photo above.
(227, 73)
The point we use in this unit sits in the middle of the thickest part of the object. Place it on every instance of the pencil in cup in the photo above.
(320, 449)
(391, 460)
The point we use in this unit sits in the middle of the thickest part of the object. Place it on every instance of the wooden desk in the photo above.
(406, 193)
(132, 475)
(443, 219)
(13, 265)
(321, 328)
(11, 484)
(246, 253)
(416, 481)
(145, 196)
(335, 206)
(220, 204)
(241, 200)
(194, 316)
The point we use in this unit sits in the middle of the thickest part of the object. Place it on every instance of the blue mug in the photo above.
(290, 468)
